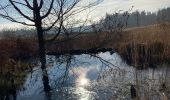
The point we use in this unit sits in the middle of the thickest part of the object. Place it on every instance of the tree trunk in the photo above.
(41, 47)
(43, 57)
(42, 54)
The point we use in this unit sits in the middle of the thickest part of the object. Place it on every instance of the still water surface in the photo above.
(85, 77)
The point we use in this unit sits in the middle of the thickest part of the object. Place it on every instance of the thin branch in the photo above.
(49, 10)
(13, 20)
(72, 6)
(103, 60)
(52, 25)
(58, 17)
(41, 4)
(20, 3)
(20, 12)
(29, 6)
(59, 30)
(2, 8)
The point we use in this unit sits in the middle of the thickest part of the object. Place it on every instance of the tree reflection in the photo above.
(45, 80)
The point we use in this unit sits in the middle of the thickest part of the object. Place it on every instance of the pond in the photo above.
(103, 76)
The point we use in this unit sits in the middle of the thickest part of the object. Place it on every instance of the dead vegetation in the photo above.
(143, 46)
(146, 46)
(15, 54)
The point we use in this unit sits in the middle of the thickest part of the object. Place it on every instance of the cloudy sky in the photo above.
(111, 6)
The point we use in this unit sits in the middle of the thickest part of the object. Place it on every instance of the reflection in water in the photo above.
(45, 81)
(82, 71)
(83, 81)
(84, 94)
(89, 78)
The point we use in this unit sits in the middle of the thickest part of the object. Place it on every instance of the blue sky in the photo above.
(110, 6)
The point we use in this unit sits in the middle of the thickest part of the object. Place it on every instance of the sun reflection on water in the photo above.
(84, 94)
(82, 82)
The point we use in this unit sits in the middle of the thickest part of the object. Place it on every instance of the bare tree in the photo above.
(43, 15)
(36, 18)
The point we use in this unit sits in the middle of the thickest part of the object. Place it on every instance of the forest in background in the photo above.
(142, 18)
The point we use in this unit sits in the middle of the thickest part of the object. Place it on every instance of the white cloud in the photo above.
(111, 6)
(150, 5)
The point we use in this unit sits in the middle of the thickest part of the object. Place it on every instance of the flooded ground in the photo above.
(91, 77)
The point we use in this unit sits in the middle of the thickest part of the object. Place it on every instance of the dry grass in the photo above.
(140, 47)
(147, 45)
(14, 54)
(143, 46)
(135, 44)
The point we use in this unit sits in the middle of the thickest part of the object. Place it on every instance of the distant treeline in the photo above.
(111, 22)
(136, 18)
(11, 33)
(147, 18)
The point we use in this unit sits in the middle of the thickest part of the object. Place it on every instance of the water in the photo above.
(91, 77)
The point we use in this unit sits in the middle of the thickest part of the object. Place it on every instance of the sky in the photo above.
(110, 6)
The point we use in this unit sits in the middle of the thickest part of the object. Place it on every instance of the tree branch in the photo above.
(41, 4)
(49, 10)
(20, 3)
(13, 20)
(29, 6)
(52, 25)
(20, 12)
(2, 8)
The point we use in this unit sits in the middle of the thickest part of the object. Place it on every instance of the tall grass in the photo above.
(147, 46)
(15, 52)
